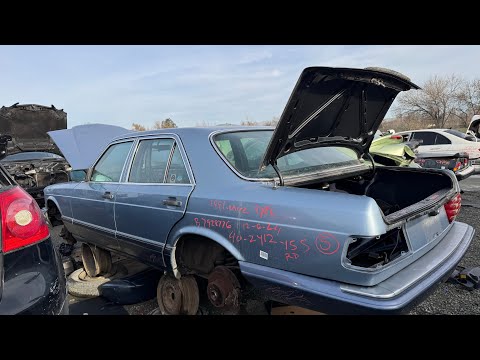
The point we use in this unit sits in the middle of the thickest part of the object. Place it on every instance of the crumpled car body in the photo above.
(30, 157)
(392, 150)
(297, 213)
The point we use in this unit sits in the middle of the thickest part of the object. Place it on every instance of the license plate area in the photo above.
(425, 229)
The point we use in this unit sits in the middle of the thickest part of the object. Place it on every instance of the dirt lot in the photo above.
(447, 299)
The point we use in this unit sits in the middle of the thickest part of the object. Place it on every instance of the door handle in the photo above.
(107, 195)
(172, 201)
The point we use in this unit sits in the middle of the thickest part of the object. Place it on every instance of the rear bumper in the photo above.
(34, 281)
(396, 294)
(465, 173)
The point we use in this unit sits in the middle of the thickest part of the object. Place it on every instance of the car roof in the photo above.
(191, 131)
(434, 130)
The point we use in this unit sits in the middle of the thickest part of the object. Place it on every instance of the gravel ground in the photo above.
(452, 299)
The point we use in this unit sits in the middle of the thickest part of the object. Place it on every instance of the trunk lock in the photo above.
(434, 212)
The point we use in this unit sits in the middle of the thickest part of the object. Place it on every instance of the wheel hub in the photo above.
(223, 289)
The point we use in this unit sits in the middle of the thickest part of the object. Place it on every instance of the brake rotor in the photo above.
(223, 289)
(169, 295)
(178, 296)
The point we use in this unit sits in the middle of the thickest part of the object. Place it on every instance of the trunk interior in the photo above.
(399, 192)
(393, 189)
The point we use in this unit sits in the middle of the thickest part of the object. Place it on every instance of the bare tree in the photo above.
(272, 122)
(468, 101)
(138, 127)
(436, 102)
(248, 123)
(167, 123)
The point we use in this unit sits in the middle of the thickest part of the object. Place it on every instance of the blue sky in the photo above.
(195, 84)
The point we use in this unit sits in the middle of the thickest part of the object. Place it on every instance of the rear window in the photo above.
(460, 134)
(244, 150)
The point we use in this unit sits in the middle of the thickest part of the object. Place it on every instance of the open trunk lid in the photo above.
(474, 127)
(335, 107)
(28, 125)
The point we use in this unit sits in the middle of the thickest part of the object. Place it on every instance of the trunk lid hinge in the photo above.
(280, 177)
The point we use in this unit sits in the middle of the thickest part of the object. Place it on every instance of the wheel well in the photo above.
(54, 214)
(199, 255)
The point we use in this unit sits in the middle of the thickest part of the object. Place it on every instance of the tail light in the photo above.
(458, 166)
(23, 223)
(397, 137)
(452, 208)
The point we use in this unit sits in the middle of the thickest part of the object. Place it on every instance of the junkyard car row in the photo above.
(314, 213)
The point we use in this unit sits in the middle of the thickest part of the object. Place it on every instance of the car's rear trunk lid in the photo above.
(335, 107)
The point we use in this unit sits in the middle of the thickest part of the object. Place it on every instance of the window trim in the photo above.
(90, 170)
(176, 142)
(449, 141)
(225, 160)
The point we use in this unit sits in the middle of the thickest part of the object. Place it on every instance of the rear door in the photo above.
(93, 200)
(152, 197)
(434, 142)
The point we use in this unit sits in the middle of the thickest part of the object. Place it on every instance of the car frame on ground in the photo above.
(31, 271)
(299, 214)
(445, 141)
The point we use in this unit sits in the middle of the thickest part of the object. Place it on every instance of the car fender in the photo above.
(179, 231)
(54, 200)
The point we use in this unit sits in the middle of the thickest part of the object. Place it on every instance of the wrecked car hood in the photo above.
(391, 146)
(335, 106)
(82, 144)
(474, 127)
(27, 125)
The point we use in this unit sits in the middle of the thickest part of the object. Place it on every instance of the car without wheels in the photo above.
(299, 213)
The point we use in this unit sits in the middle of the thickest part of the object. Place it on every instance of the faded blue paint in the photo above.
(293, 230)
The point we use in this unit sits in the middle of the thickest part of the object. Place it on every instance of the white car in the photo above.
(445, 141)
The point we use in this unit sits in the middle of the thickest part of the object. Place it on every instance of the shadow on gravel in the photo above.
(94, 306)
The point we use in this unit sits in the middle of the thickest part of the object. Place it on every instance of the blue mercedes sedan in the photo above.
(299, 213)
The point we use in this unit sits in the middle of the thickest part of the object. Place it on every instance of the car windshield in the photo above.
(32, 155)
(245, 150)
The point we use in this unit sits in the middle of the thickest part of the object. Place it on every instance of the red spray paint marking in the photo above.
(326, 243)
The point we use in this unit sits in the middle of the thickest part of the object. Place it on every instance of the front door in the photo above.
(152, 198)
(93, 203)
